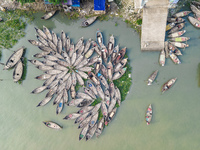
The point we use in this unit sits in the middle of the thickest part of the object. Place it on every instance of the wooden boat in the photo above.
(104, 71)
(89, 92)
(67, 44)
(177, 34)
(118, 74)
(194, 21)
(44, 67)
(83, 132)
(17, 73)
(75, 102)
(92, 87)
(166, 49)
(36, 43)
(79, 79)
(83, 95)
(85, 109)
(83, 63)
(36, 62)
(170, 25)
(41, 55)
(71, 50)
(86, 69)
(73, 58)
(97, 49)
(175, 20)
(85, 102)
(99, 38)
(49, 81)
(83, 116)
(63, 38)
(162, 58)
(42, 40)
(112, 90)
(45, 100)
(93, 60)
(41, 33)
(93, 120)
(111, 116)
(179, 44)
(168, 84)
(78, 44)
(48, 33)
(95, 109)
(197, 17)
(51, 93)
(52, 125)
(98, 65)
(78, 60)
(115, 52)
(104, 109)
(88, 21)
(87, 45)
(120, 55)
(72, 91)
(111, 43)
(120, 65)
(14, 58)
(100, 127)
(53, 71)
(100, 91)
(55, 39)
(39, 89)
(152, 77)
(45, 48)
(110, 70)
(174, 49)
(91, 132)
(59, 106)
(174, 58)
(182, 14)
(118, 95)
(94, 78)
(179, 39)
(89, 53)
(197, 4)
(194, 9)
(52, 46)
(107, 97)
(72, 116)
(148, 115)
(177, 28)
(43, 77)
(48, 15)
(82, 74)
(103, 80)
(59, 46)
(104, 54)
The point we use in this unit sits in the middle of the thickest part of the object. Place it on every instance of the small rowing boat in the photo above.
(88, 21)
(194, 9)
(182, 14)
(168, 85)
(148, 115)
(162, 58)
(52, 125)
(174, 58)
(179, 44)
(177, 34)
(194, 21)
(177, 28)
(175, 20)
(152, 77)
(179, 39)
(169, 26)
(99, 38)
(48, 15)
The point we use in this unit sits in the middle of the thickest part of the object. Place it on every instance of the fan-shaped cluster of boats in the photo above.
(176, 23)
(65, 64)
(16, 62)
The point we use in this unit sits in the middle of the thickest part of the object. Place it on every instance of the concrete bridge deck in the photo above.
(154, 25)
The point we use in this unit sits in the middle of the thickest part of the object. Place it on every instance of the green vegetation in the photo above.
(124, 82)
(98, 100)
(77, 87)
(12, 27)
(0, 54)
(55, 2)
(116, 24)
(104, 17)
(25, 1)
(74, 15)
(139, 21)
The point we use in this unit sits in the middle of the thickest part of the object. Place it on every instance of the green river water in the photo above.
(175, 124)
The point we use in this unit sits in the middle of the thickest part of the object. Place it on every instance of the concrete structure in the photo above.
(154, 25)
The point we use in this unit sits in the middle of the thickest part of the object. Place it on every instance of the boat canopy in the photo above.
(99, 5)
